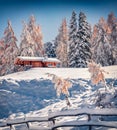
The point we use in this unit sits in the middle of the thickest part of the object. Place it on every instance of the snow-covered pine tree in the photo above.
(50, 49)
(83, 46)
(113, 42)
(112, 22)
(62, 45)
(11, 50)
(72, 40)
(102, 51)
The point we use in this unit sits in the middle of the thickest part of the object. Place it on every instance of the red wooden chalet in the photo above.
(37, 61)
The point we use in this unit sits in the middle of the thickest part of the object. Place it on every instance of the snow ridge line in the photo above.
(85, 111)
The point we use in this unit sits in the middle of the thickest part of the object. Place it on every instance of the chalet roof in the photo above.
(44, 59)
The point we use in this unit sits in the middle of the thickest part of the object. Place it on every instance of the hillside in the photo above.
(72, 73)
(34, 91)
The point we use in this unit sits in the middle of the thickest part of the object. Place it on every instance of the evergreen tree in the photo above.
(114, 43)
(11, 50)
(50, 49)
(102, 51)
(61, 49)
(72, 40)
(83, 46)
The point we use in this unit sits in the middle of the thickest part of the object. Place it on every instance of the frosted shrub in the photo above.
(97, 73)
(61, 85)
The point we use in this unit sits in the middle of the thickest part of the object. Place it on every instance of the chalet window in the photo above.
(50, 65)
(58, 65)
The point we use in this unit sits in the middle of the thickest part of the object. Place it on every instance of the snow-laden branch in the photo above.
(61, 85)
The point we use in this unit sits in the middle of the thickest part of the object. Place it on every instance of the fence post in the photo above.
(90, 127)
(12, 127)
(27, 123)
(89, 118)
(51, 122)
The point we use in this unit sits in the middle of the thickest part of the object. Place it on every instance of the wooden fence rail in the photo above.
(74, 123)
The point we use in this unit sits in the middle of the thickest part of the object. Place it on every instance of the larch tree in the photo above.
(72, 40)
(62, 45)
(31, 39)
(11, 50)
(36, 35)
(83, 46)
(111, 20)
(2, 47)
(102, 50)
(26, 45)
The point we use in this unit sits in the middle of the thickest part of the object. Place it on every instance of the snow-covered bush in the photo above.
(104, 99)
(97, 73)
(61, 85)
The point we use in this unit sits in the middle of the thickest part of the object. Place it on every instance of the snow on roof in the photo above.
(45, 59)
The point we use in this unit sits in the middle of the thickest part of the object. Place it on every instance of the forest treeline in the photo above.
(76, 43)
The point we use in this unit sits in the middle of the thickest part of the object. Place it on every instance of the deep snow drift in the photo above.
(33, 92)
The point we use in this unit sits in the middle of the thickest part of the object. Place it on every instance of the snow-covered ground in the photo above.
(73, 73)
(33, 92)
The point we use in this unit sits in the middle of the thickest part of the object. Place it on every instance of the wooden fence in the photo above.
(53, 123)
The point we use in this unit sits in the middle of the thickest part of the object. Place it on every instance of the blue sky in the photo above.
(49, 13)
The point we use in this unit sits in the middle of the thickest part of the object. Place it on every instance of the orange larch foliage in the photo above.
(61, 85)
(97, 74)
(105, 26)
